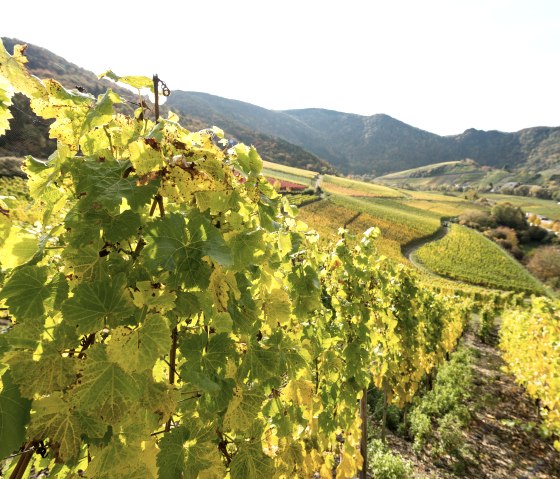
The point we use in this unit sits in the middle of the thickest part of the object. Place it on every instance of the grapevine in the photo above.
(170, 317)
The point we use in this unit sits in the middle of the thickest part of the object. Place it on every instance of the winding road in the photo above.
(408, 250)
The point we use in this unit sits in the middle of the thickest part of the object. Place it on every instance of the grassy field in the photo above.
(466, 255)
(547, 208)
(347, 187)
(408, 223)
(290, 170)
(289, 173)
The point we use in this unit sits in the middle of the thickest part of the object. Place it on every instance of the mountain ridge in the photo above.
(313, 138)
(379, 144)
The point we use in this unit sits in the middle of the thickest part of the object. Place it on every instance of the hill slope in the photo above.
(29, 134)
(377, 144)
(308, 138)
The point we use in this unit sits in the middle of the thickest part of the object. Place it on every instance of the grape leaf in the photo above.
(248, 247)
(99, 303)
(106, 183)
(187, 450)
(105, 388)
(250, 462)
(102, 113)
(138, 350)
(144, 158)
(243, 409)
(6, 93)
(26, 291)
(118, 460)
(14, 415)
(54, 418)
(179, 247)
(132, 80)
(205, 355)
(51, 372)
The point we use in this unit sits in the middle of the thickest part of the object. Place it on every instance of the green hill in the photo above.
(314, 138)
(29, 134)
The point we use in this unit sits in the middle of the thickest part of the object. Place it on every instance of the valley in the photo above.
(378, 302)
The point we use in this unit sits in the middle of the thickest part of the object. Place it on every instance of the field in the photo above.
(466, 255)
(287, 170)
(347, 187)
(548, 208)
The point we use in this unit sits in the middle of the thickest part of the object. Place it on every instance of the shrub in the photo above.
(439, 416)
(477, 219)
(384, 464)
(508, 215)
(486, 325)
(545, 264)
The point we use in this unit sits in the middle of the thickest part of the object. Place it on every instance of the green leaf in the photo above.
(307, 288)
(179, 247)
(207, 239)
(248, 248)
(55, 419)
(25, 335)
(84, 261)
(6, 94)
(14, 415)
(205, 358)
(99, 303)
(250, 462)
(106, 183)
(105, 388)
(103, 111)
(277, 307)
(19, 247)
(118, 460)
(172, 454)
(248, 159)
(144, 158)
(51, 372)
(134, 81)
(259, 363)
(244, 408)
(26, 292)
(117, 228)
(138, 350)
(217, 201)
(187, 450)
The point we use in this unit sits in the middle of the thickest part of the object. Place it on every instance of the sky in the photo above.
(439, 65)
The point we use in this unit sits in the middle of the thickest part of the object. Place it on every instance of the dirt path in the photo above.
(503, 437)
(409, 250)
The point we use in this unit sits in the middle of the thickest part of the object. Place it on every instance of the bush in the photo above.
(384, 464)
(420, 429)
(451, 436)
(507, 238)
(545, 265)
(477, 219)
(439, 416)
(486, 325)
(508, 215)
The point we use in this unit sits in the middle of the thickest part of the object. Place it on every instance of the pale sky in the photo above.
(440, 65)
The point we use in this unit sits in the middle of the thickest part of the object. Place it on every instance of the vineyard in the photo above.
(466, 255)
(529, 340)
(167, 313)
(348, 187)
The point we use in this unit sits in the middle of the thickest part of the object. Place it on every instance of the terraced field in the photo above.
(548, 208)
(466, 255)
(347, 187)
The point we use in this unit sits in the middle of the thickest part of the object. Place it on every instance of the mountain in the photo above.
(313, 138)
(239, 120)
(29, 134)
(377, 144)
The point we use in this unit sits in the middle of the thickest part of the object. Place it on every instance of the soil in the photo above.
(503, 439)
